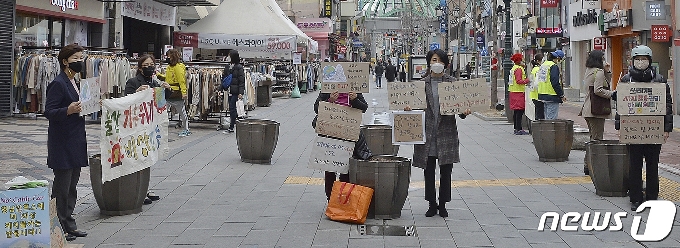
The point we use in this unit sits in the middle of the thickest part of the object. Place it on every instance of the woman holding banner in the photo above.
(441, 137)
(66, 144)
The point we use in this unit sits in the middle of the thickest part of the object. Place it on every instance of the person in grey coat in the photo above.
(441, 137)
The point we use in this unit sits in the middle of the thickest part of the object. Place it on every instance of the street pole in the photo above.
(507, 64)
(494, 73)
(461, 37)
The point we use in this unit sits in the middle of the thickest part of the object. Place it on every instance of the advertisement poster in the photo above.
(26, 217)
(90, 95)
(344, 77)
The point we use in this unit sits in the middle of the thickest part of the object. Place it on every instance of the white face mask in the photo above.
(437, 68)
(640, 64)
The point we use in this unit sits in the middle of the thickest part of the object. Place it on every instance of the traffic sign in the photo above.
(434, 46)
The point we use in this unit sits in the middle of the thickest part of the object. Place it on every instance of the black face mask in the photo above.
(148, 71)
(76, 66)
(167, 61)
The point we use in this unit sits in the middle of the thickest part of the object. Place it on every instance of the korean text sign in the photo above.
(456, 97)
(344, 77)
(641, 99)
(339, 121)
(402, 94)
(408, 127)
(642, 129)
(330, 154)
(26, 217)
(134, 133)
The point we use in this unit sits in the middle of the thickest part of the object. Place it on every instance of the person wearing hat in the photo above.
(550, 89)
(643, 72)
(518, 81)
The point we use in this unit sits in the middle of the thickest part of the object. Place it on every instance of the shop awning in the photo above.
(177, 3)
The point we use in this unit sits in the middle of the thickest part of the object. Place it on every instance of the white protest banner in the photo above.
(642, 129)
(641, 98)
(134, 133)
(149, 11)
(330, 154)
(402, 94)
(456, 97)
(25, 214)
(344, 77)
(339, 121)
(90, 95)
(408, 127)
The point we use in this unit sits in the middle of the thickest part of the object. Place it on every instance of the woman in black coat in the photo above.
(237, 88)
(146, 68)
(66, 144)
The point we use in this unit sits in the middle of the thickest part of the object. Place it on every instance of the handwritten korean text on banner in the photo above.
(641, 98)
(330, 154)
(339, 121)
(408, 127)
(642, 129)
(402, 94)
(456, 97)
(344, 77)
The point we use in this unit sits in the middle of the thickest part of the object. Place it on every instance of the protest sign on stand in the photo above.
(456, 97)
(90, 95)
(339, 121)
(408, 127)
(330, 154)
(402, 94)
(344, 77)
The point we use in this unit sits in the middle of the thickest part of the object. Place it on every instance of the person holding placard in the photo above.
(441, 137)
(550, 89)
(643, 72)
(533, 94)
(146, 68)
(518, 82)
(66, 143)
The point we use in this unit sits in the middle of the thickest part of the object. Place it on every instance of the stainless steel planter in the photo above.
(553, 139)
(608, 161)
(389, 176)
(256, 140)
(379, 139)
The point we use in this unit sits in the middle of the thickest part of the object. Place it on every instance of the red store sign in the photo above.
(600, 43)
(185, 39)
(549, 3)
(661, 33)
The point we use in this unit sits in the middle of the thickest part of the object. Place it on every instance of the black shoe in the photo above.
(78, 233)
(635, 205)
(69, 237)
(442, 210)
(147, 201)
(432, 211)
(586, 170)
(153, 196)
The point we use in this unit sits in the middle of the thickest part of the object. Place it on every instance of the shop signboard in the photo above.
(616, 18)
(582, 19)
(456, 97)
(134, 131)
(402, 94)
(185, 39)
(548, 32)
(600, 43)
(549, 3)
(655, 10)
(65, 4)
(641, 98)
(344, 77)
(408, 127)
(327, 8)
(150, 11)
(26, 217)
(338, 121)
(661, 33)
(90, 96)
(330, 154)
(321, 25)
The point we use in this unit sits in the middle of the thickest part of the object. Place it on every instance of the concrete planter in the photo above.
(553, 139)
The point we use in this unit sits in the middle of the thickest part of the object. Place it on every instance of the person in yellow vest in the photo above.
(550, 89)
(518, 81)
(533, 94)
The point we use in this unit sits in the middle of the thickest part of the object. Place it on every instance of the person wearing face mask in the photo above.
(441, 137)
(66, 143)
(550, 89)
(146, 69)
(642, 72)
(175, 76)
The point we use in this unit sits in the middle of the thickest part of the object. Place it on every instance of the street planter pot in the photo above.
(608, 161)
(121, 196)
(256, 140)
(553, 139)
(389, 177)
(379, 139)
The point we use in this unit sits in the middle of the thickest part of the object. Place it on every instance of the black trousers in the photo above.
(540, 110)
(650, 153)
(329, 179)
(444, 181)
(517, 117)
(64, 190)
(232, 110)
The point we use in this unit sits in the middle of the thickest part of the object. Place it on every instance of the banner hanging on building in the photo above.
(264, 43)
(134, 133)
(150, 11)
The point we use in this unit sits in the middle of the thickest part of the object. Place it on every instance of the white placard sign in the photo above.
(134, 133)
(402, 94)
(330, 154)
(408, 127)
(90, 95)
(641, 98)
(297, 58)
(456, 97)
(339, 121)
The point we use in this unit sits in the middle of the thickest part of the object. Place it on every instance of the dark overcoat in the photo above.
(446, 133)
(66, 144)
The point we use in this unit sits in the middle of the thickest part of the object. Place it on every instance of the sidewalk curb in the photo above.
(488, 118)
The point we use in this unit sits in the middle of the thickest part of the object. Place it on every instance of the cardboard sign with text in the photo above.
(339, 121)
(408, 127)
(402, 94)
(641, 129)
(344, 77)
(330, 154)
(641, 98)
(90, 95)
(456, 97)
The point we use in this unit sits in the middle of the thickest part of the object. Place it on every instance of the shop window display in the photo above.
(31, 30)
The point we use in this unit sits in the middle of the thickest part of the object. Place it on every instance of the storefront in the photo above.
(147, 26)
(6, 56)
(653, 24)
(318, 29)
(583, 30)
(621, 39)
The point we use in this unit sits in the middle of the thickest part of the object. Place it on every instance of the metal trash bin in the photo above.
(581, 137)
(553, 139)
(120, 196)
(389, 177)
(379, 139)
(256, 140)
(608, 162)
(264, 93)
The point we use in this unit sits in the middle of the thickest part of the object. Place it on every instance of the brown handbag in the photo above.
(599, 105)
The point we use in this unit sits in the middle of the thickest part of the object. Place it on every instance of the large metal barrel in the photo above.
(256, 140)
(121, 196)
(608, 161)
(389, 177)
(553, 139)
(379, 139)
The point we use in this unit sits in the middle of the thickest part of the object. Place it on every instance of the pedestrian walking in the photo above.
(390, 71)
(237, 87)
(643, 72)
(539, 111)
(402, 73)
(597, 80)
(66, 143)
(379, 69)
(550, 89)
(175, 76)
(517, 86)
(441, 142)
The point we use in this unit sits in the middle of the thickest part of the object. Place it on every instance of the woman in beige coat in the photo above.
(598, 77)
